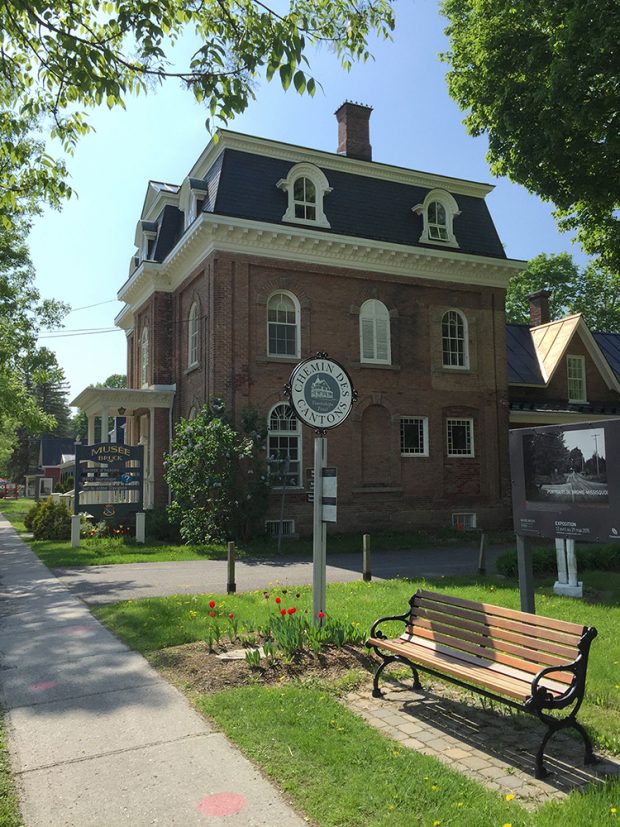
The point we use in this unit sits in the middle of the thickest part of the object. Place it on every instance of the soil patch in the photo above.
(193, 667)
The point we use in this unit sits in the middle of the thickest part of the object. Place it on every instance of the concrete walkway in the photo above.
(131, 581)
(97, 738)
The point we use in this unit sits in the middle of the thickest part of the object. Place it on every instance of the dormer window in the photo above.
(438, 212)
(306, 187)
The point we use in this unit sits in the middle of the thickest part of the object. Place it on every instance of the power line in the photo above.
(88, 306)
(67, 334)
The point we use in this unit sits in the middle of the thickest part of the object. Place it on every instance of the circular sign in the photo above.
(321, 392)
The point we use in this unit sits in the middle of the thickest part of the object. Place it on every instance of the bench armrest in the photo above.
(374, 632)
(543, 698)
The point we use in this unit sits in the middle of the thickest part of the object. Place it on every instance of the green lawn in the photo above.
(9, 808)
(56, 554)
(338, 770)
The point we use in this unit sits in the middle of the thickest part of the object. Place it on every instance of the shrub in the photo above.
(158, 526)
(544, 561)
(65, 485)
(31, 513)
(51, 521)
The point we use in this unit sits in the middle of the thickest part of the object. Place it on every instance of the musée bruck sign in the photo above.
(109, 480)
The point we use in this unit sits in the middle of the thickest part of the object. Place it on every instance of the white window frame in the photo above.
(460, 518)
(420, 421)
(452, 422)
(374, 324)
(573, 378)
(193, 336)
(321, 189)
(144, 357)
(464, 339)
(283, 411)
(295, 301)
(451, 209)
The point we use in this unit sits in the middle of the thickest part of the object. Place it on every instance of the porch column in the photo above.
(91, 429)
(105, 436)
(151, 481)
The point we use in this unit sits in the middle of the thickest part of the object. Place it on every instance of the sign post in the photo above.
(321, 395)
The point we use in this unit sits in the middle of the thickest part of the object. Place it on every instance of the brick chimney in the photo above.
(539, 308)
(354, 131)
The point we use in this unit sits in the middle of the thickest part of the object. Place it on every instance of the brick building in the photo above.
(267, 253)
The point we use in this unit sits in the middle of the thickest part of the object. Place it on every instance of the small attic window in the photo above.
(438, 211)
(306, 186)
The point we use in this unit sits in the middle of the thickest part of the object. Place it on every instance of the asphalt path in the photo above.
(132, 581)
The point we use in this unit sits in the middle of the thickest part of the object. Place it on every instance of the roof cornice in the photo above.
(227, 139)
(254, 238)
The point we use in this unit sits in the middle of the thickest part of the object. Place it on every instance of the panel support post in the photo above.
(526, 574)
(75, 530)
(366, 573)
(140, 527)
(231, 586)
(319, 534)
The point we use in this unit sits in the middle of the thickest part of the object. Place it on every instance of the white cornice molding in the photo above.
(330, 160)
(253, 238)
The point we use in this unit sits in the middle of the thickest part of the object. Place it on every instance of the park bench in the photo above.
(533, 663)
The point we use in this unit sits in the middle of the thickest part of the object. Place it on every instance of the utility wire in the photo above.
(88, 306)
(68, 334)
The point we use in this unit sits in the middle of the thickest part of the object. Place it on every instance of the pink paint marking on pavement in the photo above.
(222, 804)
(78, 631)
(43, 686)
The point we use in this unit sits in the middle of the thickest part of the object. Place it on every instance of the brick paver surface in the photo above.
(486, 741)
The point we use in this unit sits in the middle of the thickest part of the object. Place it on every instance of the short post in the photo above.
(482, 554)
(526, 574)
(140, 527)
(366, 574)
(76, 524)
(231, 586)
(567, 583)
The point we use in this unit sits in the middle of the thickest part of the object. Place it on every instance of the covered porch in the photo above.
(148, 415)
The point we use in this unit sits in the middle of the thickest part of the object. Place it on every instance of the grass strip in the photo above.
(340, 771)
(155, 623)
(9, 806)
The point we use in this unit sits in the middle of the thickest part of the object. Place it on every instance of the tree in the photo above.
(593, 292)
(217, 476)
(541, 80)
(22, 314)
(61, 57)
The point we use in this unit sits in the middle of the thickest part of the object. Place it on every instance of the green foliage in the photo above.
(159, 527)
(217, 477)
(591, 291)
(79, 423)
(49, 521)
(65, 485)
(541, 81)
(64, 57)
(544, 562)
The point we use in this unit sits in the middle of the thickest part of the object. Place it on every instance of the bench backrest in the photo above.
(518, 640)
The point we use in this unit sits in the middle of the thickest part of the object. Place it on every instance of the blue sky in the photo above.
(81, 254)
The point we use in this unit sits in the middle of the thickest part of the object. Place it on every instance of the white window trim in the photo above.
(298, 432)
(374, 360)
(580, 360)
(144, 357)
(425, 451)
(193, 337)
(463, 318)
(460, 420)
(147, 236)
(449, 204)
(321, 186)
(295, 301)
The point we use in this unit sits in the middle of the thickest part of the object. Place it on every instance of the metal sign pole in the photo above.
(319, 532)
(526, 574)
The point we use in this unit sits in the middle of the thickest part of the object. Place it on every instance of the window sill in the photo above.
(453, 369)
(374, 365)
(461, 456)
(414, 456)
(192, 368)
(284, 360)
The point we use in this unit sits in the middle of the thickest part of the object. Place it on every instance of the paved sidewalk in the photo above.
(97, 737)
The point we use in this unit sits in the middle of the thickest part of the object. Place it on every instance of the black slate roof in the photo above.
(52, 449)
(523, 365)
(609, 344)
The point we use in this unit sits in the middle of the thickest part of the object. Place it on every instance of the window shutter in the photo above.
(383, 344)
(368, 338)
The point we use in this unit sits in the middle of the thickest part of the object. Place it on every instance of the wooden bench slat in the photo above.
(535, 632)
(487, 654)
(447, 664)
(567, 652)
(511, 614)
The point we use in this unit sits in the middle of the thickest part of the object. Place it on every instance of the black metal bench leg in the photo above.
(540, 772)
(589, 756)
(376, 692)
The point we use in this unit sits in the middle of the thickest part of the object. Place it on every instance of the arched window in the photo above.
(282, 325)
(438, 211)
(454, 340)
(375, 333)
(284, 447)
(437, 221)
(306, 187)
(193, 336)
(144, 357)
